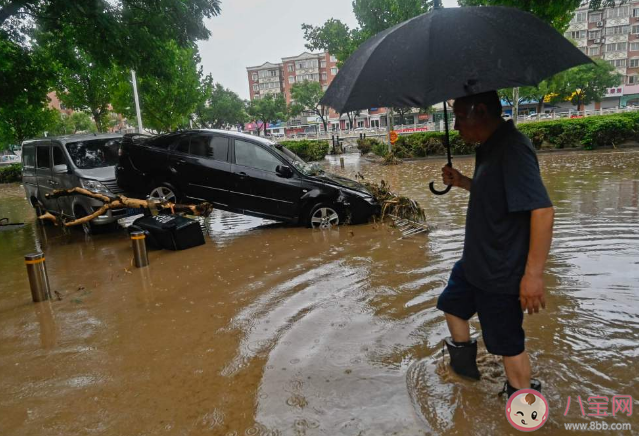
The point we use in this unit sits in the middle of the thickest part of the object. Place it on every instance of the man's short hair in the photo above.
(489, 98)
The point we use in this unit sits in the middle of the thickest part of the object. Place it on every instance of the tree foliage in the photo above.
(221, 108)
(169, 92)
(306, 96)
(373, 16)
(556, 13)
(587, 83)
(268, 109)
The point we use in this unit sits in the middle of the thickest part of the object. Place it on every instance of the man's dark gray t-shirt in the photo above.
(506, 186)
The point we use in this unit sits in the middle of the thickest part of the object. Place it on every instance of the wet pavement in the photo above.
(269, 329)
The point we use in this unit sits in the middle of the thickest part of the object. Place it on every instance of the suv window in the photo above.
(163, 141)
(42, 157)
(58, 156)
(183, 145)
(254, 156)
(28, 156)
(220, 148)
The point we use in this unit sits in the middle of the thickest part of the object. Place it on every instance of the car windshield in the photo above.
(94, 153)
(308, 169)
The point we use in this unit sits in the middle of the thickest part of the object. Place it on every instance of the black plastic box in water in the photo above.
(172, 232)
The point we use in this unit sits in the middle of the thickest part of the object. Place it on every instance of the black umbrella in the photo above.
(450, 53)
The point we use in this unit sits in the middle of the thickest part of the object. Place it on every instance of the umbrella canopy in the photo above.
(450, 53)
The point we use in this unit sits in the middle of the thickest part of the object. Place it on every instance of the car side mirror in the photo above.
(61, 169)
(284, 171)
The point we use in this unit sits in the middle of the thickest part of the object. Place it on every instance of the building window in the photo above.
(580, 17)
(632, 80)
(618, 63)
(617, 46)
(617, 30)
(635, 29)
(291, 68)
(256, 87)
(323, 76)
(634, 46)
(634, 63)
(323, 64)
(291, 79)
(620, 12)
(635, 12)
(273, 73)
(593, 18)
(593, 51)
(254, 76)
(594, 34)
(334, 71)
(333, 59)
(577, 34)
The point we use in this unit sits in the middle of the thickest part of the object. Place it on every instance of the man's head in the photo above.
(477, 116)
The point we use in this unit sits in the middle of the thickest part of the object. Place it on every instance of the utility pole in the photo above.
(389, 126)
(515, 105)
(137, 101)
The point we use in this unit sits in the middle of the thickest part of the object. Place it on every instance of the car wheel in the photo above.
(87, 227)
(323, 216)
(165, 193)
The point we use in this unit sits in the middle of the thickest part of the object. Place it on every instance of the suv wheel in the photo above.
(165, 193)
(323, 216)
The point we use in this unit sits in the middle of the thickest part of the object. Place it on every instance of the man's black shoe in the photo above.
(508, 389)
(463, 357)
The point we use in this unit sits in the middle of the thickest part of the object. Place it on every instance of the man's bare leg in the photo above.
(518, 370)
(459, 328)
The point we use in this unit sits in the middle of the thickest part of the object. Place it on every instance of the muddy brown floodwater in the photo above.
(275, 330)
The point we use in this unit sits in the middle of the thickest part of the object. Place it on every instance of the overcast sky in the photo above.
(250, 32)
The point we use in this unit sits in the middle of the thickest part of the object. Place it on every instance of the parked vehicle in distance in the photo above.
(66, 162)
(243, 174)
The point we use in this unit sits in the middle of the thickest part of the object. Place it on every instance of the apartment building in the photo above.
(612, 34)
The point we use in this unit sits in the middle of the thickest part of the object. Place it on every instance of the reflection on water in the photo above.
(270, 329)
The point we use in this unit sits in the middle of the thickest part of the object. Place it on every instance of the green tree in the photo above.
(373, 16)
(306, 97)
(268, 109)
(221, 108)
(556, 13)
(587, 83)
(26, 80)
(169, 90)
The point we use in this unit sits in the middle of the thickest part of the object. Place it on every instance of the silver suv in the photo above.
(86, 161)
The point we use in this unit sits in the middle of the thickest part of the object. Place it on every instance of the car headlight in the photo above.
(94, 186)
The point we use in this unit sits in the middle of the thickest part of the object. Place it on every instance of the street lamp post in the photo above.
(137, 101)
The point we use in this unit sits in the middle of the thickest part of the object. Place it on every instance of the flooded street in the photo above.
(275, 330)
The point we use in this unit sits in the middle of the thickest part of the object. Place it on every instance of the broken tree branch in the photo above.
(119, 202)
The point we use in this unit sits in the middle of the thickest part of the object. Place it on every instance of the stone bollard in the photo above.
(38, 279)
(341, 162)
(140, 256)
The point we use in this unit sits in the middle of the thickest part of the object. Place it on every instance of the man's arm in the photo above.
(531, 290)
(450, 176)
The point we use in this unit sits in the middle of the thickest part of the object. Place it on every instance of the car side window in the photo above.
(183, 145)
(28, 156)
(219, 148)
(58, 156)
(200, 145)
(162, 141)
(254, 156)
(43, 158)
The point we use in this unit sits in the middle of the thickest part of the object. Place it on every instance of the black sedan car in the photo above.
(243, 174)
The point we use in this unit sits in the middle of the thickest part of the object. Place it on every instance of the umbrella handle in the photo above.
(436, 192)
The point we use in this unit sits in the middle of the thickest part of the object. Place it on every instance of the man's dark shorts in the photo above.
(500, 315)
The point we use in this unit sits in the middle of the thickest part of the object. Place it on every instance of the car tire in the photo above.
(165, 192)
(323, 216)
(87, 228)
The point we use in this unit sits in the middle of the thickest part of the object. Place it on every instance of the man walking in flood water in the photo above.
(508, 234)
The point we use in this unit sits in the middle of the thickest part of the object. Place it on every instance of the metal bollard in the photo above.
(140, 256)
(38, 279)
(341, 162)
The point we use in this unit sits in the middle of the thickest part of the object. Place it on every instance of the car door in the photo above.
(151, 159)
(257, 188)
(44, 176)
(64, 178)
(200, 162)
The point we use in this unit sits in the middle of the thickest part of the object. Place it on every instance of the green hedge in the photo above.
(307, 149)
(590, 132)
(11, 173)
(425, 144)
